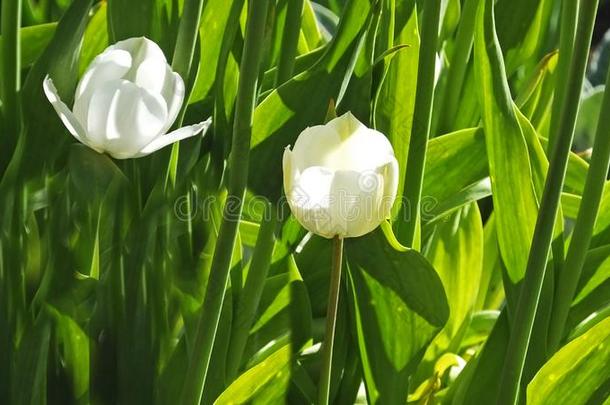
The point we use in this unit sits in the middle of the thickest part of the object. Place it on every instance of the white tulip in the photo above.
(341, 178)
(126, 101)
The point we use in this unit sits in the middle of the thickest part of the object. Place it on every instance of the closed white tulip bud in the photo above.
(341, 178)
(126, 101)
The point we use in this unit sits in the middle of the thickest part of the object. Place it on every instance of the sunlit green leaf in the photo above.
(399, 306)
(455, 250)
(263, 383)
(303, 101)
(513, 191)
(395, 100)
(575, 372)
(34, 40)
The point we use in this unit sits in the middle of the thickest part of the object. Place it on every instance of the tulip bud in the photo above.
(126, 101)
(341, 178)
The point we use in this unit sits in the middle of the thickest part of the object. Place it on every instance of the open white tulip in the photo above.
(126, 101)
(341, 178)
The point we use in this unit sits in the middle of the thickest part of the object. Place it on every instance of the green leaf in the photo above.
(458, 52)
(263, 383)
(171, 377)
(594, 302)
(539, 166)
(521, 29)
(73, 344)
(513, 191)
(253, 287)
(478, 383)
(95, 39)
(216, 16)
(301, 64)
(595, 271)
(570, 204)
(576, 371)
(468, 113)
(480, 327)
(456, 252)
(249, 232)
(249, 72)
(10, 78)
(303, 100)
(215, 382)
(535, 96)
(34, 40)
(409, 228)
(588, 116)
(436, 210)
(455, 162)
(395, 100)
(576, 174)
(46, 135)
(135, 18)
(589, 322)
(309, 26)
(284, 310)
(29, 373)
(601, 232)
(186, 41)
(491, 289)
(399, 306)
(358, 93)
(92, 173)
(314, 260)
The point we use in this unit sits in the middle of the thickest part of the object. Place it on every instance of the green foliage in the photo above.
(397, 313)
(513, 191)
(577, 373)
(126, 281)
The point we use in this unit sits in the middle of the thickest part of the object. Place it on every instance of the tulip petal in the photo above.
(173, 93)
(345, 125)
(342, 202)
(151, 74)
(174, 136)
(342, 144)
(360, 201)
(107, 67)
(391, 176)
(122, 117)
(312, 188)
(340, 178)
(313, 145)
(97, 112)
(355, 200)
(366, 149)
(67, 117)
(135, 114)
(149, 63)
(309, 200)
(290, 172)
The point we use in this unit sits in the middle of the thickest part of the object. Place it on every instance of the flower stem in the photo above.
(422, 114)
(331, 321)
(290, 39)
(252, 292)
(184, 51)
(583, 230)
(527, 305)
(242, 130)
(10, 66)
(182, 62)
(459, 64)
(569, 20)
